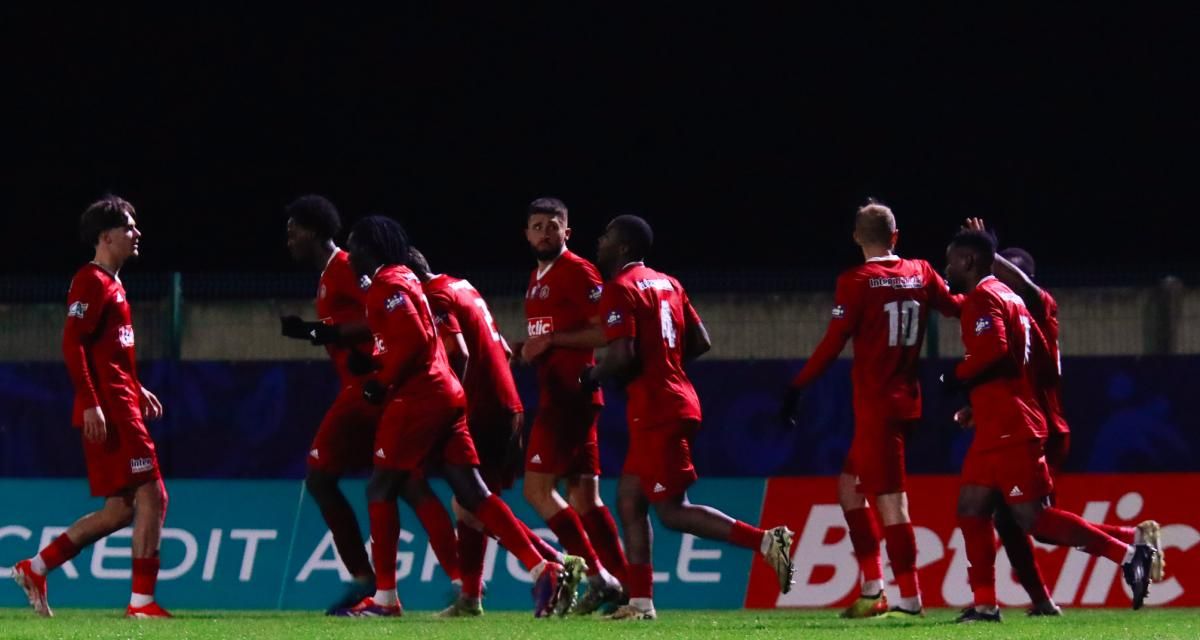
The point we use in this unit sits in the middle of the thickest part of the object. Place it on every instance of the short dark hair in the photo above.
(548, 206)
(382, 238)
(317, 214)
(418, 263)
(1021, 258)
(981, 243)
(100, 216)
(635, 233)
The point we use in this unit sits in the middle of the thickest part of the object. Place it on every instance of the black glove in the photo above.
(514, 454)
(322, 334)
(294, 327)
(790, 405)
(586, 383)
(374, 392)
(359, 363)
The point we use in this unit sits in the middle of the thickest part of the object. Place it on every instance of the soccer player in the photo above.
(561, 307)
(344, 438)
(652, 329)
(111, 406)
(479, 356)
(1007, 460)
(1015, 268)
(424, 422)
(883, 305)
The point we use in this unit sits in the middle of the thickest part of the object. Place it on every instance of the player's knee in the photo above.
(320, 485)
(670, 514)
(382, 487)
(1026, 516)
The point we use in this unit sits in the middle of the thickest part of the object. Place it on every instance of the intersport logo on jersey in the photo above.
(827, 573)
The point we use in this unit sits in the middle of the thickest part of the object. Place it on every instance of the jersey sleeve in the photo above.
(85, 307)
(846, 314)
(441, 304)
(946, 303)
(617, 305)
(587, 289)
(404, 336)
(984, 336)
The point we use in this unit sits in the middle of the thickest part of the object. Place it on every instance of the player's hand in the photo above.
(974, 224)
(320, 334)
(152, 409)
(374, 392)
(95, 429)
(359, 363)
(587, 384)
(294, 327)
(791, 406)
(965, 417)
(514, 455)
(535, 348)
(514, 356)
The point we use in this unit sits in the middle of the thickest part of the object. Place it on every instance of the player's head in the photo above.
(1021, 259)
(875, 226)
(969, 259)
(377, 241)
(312, 222)
(626, 239)
(110, 226)
(546, 227)
(419, 265)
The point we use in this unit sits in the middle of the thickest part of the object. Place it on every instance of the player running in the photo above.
(883, 305)
(561, 307)
(652, 329)
(1007, 460)
(110, 408)
(344, 438)
(423, 423)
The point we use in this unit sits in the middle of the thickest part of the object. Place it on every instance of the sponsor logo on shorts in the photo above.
(379, 453)
(125, 335)
(141, 465)
(393, 302)
(982, 326)
(658, 488)
(77, 310)
(540, 326)
(595, 293)
(614, 318)
(839, 312)
(315, 454)
(536, 459)
(1015, 493)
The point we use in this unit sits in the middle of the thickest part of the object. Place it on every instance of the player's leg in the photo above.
(976, 503)
(150, 510)
(549, 579)
(634, 510)
(609, 571)
(436, 522)
(383, 489)
(347, 536)
(472, 550)
(885, 481)
(1019, 547)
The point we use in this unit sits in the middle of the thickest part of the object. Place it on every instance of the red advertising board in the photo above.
(827, 573)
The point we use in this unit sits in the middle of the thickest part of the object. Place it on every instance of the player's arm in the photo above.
(696, 341)
(984, 336)
(85, 307)
(845, 318)
(586, 293)
(620, 332)
(449, 329)
(946, 303)
(457, 352)
(1015, 279)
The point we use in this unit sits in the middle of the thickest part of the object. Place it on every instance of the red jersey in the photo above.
(563, 297)
(654, 310)
(1000, 340)
(412, 361)
(459, 308)
(1049, 391)
(341, 299)
(98, 347)
(883, 305)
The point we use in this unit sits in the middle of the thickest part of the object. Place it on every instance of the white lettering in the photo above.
(811, 551)
(689, 553)
(252, 538)
(102, 551)
(317, 561)
(48, 536)
(210, 558)
(14, 531)
(191, 550)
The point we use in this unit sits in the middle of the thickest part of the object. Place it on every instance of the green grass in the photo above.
(741, 625)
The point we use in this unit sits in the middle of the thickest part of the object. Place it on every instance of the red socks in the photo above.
(981, 554)
(902, 551)
(1069, 530)
(641, 581)
(549, 553)
(864, 536)
(58, 552)
(472, 547)
(566, 525)
(602, 532)
(746, 536)
(437, 524)
(385, 531)
(498, 519)
(145, 575)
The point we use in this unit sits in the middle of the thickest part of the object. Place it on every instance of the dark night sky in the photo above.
(746, 136)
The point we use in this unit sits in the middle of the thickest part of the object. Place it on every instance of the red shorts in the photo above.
(563, 440)
(491, 436)
(343, 441)
(1017, 471)
(1058, 447)
(125, 460)
(661, 458)
(876, 456)
(412, 435)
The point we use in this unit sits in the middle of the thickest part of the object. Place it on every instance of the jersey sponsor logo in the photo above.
(540, 326)
(595, 293)
(141, 465)
(393, 302)
(379, 453)
(897, 282)
(982, 326)
(125, 335)
(658, 284)
(839, 312)
(364, 282)
(614, 318)
(380, 347)
(536, 459)
(77, 310)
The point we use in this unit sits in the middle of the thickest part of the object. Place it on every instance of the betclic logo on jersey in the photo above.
(380, 347)
(541, 326)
